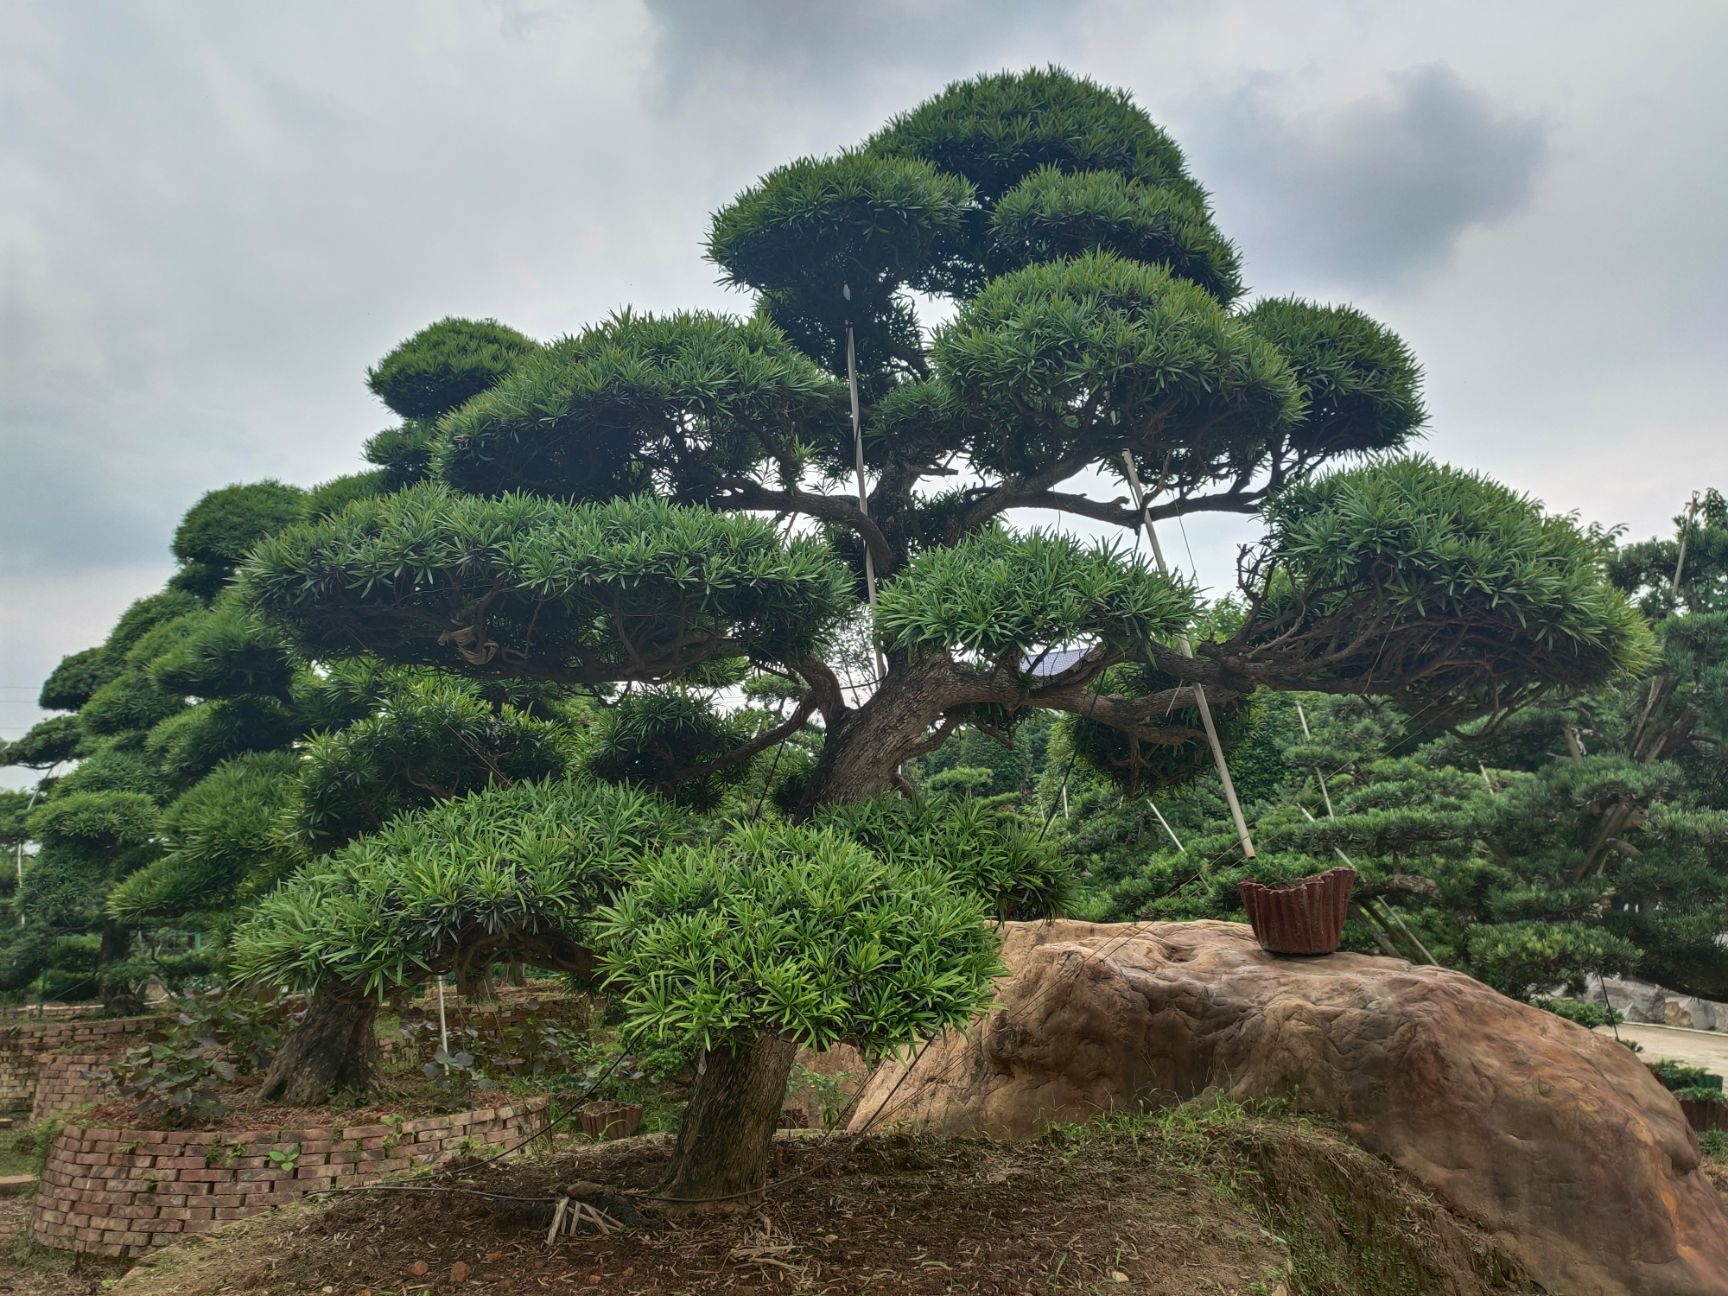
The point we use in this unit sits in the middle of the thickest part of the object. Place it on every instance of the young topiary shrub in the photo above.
(506, 873)
(774, 938)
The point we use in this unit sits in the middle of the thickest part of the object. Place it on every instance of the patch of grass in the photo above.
(1326, 1202)
(21, 1253)
(25, 1151)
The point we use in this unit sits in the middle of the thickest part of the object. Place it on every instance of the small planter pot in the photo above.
(794, 1118)
(1704, 1114)
(611, 1120)
(1305, 917)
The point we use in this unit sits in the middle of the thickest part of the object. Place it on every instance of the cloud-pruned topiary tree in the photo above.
(659, 497)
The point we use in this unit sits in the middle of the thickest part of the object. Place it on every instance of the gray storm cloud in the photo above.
(1381, 187)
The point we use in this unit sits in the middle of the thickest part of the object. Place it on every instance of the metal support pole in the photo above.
(1187, 648)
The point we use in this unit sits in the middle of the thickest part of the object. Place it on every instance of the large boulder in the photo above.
(1558, 1140)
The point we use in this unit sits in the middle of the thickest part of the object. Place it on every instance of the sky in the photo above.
(215, 216)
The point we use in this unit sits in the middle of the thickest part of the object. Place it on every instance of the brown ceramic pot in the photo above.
(1305, 917)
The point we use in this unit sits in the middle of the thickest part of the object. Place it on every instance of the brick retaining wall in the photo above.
(23, 1045)
(120, 1192)
(68, 1081)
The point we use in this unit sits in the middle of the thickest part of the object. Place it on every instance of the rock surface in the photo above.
(1640, 1001)
(1559, 1141)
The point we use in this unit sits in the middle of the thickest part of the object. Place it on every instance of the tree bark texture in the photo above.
(333, 1048)
(122, 998)
(720, 1161)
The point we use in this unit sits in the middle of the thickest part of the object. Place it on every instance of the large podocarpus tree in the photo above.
(654, 496)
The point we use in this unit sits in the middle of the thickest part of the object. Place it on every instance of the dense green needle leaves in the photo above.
(1054, 214)
(870, 223)
(638, 403)
(1088, 356)
(1018, 873)
(796, 932)
(446, 364)
(432, 738)
(1001, 596)
(1361, 387)
(506, 872)
(229, 829)
(635, 588)
(1460, 594)
(998, 129)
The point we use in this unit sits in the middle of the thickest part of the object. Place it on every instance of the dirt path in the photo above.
(1675, 1044)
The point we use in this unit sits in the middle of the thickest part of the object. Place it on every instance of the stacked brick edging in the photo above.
(119, 1192)
(23, 1046)
(68, 1081)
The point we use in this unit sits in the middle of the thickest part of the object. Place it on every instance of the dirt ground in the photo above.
(1168, 1208)
(30, 1271)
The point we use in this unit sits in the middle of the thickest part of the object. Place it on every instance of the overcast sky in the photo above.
(214, 215)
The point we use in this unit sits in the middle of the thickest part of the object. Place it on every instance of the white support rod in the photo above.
(1205, 708)
(1325, 792)
(1166, 825)
(443, 1024)
(863, 490)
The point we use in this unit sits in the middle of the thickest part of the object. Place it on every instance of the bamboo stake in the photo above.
(1166, 823)
(858, 460)
(1187, 648)
(1325, 793)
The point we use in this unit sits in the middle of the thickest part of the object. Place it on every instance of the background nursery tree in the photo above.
(203, 760)
(659, 502)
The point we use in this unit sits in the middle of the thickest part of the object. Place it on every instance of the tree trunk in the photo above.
(332, 1048)
(720, 1161)
(864, 748)
(474, 978)
(122, 998)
